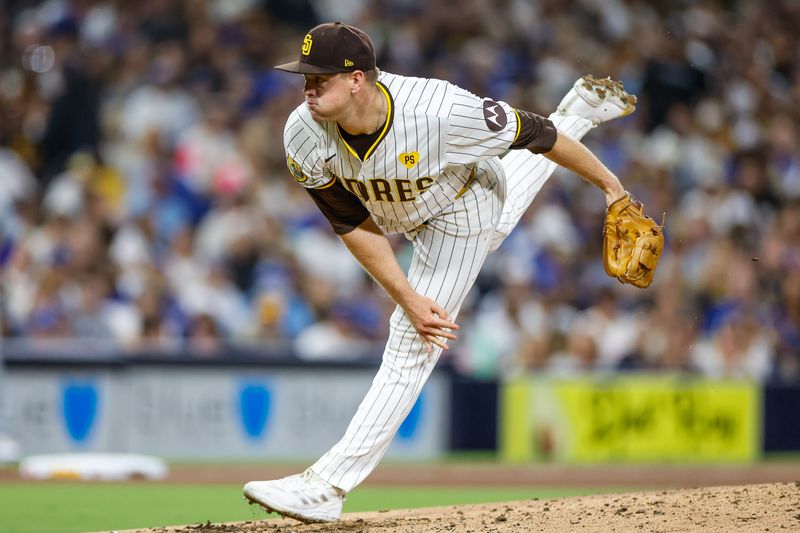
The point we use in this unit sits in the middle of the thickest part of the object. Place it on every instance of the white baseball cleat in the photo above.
(599, 100)
(305, 497)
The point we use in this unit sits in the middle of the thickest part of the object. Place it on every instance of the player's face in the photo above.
(326, 95)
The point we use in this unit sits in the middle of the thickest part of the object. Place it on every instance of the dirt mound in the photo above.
(769, 507)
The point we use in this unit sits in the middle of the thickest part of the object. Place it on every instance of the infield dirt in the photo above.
(764, 507)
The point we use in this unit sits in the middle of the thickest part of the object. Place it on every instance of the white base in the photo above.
(93, 466)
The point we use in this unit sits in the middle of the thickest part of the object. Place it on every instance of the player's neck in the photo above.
(366, 116)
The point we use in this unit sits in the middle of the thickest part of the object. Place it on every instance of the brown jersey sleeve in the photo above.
(536, 133)
(344, 210)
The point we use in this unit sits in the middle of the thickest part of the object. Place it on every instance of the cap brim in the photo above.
(298, 67)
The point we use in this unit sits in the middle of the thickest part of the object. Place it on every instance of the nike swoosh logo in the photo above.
(331, 157)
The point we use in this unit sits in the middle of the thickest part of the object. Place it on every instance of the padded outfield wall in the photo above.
(192, 409)
(273, 408)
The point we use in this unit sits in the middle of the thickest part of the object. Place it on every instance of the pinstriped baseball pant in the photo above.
(448, 253)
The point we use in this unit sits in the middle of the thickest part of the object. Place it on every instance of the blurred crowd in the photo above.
(144, 197)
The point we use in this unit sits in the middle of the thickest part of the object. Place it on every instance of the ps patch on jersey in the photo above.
(296, 171)
(494, 115)
(409, 159)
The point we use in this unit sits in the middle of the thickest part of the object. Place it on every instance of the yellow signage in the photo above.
(630, 419)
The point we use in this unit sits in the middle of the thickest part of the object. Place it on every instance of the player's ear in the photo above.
(357, 79)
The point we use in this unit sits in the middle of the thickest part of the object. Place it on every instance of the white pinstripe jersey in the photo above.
(437, 138)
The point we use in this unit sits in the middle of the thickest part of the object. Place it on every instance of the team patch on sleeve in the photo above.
(295, 170)
(494, 115)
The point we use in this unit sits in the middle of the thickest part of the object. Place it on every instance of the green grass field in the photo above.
(70, 507)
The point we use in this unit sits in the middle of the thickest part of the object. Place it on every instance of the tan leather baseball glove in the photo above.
(632, 242)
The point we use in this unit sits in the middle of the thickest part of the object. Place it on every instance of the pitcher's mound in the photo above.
(774, 507)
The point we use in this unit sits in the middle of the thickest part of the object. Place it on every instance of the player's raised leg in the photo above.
(590, 102)
(598, 99)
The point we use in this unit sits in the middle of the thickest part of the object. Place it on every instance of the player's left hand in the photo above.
(632, 242)
(431, 321)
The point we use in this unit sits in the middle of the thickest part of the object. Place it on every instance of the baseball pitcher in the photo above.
(381, 153)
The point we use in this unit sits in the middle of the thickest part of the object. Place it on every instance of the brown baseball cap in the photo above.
(331, 48)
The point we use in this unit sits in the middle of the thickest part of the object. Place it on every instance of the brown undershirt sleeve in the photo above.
(536, 133)
(344, 210)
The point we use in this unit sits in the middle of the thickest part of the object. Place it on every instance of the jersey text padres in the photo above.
(435, 143)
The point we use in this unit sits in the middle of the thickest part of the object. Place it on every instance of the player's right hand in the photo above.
(431, 321)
